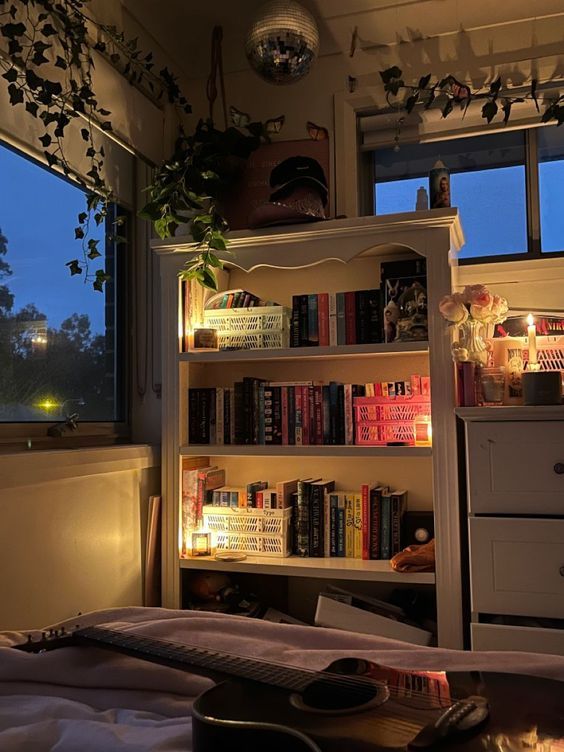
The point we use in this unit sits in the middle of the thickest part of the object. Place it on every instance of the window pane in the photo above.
(57, 354)
(487, 179)
(551, 178)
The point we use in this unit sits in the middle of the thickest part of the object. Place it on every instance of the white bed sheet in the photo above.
(86, 700)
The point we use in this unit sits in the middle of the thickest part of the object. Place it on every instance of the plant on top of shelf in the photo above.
(448, 92)
(471, 312)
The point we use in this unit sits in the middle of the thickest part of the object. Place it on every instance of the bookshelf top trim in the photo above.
(295, 566)
(308, 450)
(299, 246)
(299, 353)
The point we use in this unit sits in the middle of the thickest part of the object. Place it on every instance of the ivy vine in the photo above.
(448, 92)
(48, 66)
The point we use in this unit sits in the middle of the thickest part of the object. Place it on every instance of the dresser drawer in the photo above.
(517, 566)
(513, 467)
(528, 639)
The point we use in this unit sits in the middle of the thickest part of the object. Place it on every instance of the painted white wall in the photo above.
(73, 532)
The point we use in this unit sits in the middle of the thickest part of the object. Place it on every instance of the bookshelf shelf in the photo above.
(277, 450)
(310, 353)
(294, 566)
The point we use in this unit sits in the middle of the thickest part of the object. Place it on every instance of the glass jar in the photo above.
(492, 382)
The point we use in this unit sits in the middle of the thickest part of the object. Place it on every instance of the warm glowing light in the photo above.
(532, 342)
(48, 404)
(423, 430)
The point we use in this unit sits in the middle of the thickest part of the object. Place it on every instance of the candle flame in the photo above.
(530, 319)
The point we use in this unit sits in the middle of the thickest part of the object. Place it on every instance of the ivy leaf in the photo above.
(74, 267)
(32, 108)
(447, 107)
(46, 140)
(12, 30)
(52, 160)
(106, 125)
(78, 233)
(534, 84)
(390, 73)
(495, 87)
(48, 30)
(217, 241)
(100, 46)
(33, 80)
(91, 152)
(394, 86)
(489, 110)
(82, 217)
(60, 63)
(100, 278)
(11, 75)
(93, 251)
(85, 133)
(506, 107)
(16, 95)
(424, 81)
(411, 102)
(104, 113)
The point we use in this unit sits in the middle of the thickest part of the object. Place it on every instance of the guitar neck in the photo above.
(207, 662)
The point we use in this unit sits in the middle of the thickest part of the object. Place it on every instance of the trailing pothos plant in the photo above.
(448, 92)
(47, 63)
(191, 185)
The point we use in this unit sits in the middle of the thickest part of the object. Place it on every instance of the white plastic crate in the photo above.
(250, 328)
(264, 532)
(550, 353)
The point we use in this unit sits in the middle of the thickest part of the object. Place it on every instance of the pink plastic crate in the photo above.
(380, 420)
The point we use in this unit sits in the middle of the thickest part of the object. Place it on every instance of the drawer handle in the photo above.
(559, 468)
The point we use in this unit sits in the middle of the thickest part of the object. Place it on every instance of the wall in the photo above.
(73, 532)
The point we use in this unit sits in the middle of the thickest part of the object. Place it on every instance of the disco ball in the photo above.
(282, 42)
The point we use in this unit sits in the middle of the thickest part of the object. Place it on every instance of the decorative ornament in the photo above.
(282, 42)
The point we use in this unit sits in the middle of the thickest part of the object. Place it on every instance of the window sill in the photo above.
(25, 468)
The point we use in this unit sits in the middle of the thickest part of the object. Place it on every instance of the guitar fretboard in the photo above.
(180, 656)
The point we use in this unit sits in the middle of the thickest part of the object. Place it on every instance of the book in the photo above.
(340, 516)
(398, 506)
(313, 321)
(333, 524)
(349, 524)
(303, 516)
(323, 318)
(375, 502)
(385, 526)
(341, 325)
(332, 319)
(284, 492)
(368, 319)
(358, 523)
(318, 490)
(336, 614)
(252, 488)
(209, 478)
(350, 318)
(219, 416)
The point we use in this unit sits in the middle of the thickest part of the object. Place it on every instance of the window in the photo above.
(506, 186)
(59, 338)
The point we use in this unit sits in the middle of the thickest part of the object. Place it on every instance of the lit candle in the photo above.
(532, 340)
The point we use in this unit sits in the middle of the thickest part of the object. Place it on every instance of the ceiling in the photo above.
(183, 27)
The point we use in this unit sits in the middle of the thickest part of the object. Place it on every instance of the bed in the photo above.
(93, 700)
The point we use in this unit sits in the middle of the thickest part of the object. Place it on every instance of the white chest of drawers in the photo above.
(515, 484)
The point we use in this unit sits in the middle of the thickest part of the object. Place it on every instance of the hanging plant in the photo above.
(48, 69)
(189, 188)
(448, 92)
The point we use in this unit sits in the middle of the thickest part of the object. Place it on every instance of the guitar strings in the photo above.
(350, 682)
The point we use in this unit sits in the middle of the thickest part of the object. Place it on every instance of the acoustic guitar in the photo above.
(352, 706)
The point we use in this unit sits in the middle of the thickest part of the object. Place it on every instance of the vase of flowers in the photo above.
(473, 312)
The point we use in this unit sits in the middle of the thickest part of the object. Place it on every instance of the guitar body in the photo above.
(523, 710)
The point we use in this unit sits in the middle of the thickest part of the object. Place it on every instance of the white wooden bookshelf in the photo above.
(333, 569)
(277, 450)
(331, 256)
(299, 353)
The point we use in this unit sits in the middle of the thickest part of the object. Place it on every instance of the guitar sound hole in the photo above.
(342, 694)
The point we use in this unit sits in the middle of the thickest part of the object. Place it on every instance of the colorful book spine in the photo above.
(333, 524)
(302, 527)
(365, 496)
(341, 526)
(328, 533)
(316, 520)
(350, 318)
(349, 525)
(349, 424)
(304, 321)
(341, 324)
(299, 415)
(357, 511)
(385, 527)
(313, 322)
(333, 319)
(323, 318)
(284, 406)
(374, 525)
(295, 329)
(291, 414)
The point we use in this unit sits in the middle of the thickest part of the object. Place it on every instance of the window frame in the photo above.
(32, 435)
(532, 197)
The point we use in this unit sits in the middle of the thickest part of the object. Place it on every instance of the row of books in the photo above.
(255, 495)
(254, 411)
(236, 299)
(342, 318)
(358, 524)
